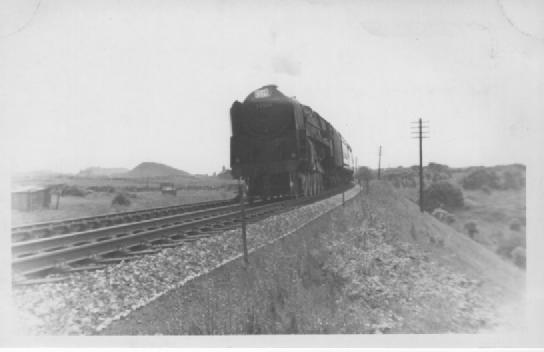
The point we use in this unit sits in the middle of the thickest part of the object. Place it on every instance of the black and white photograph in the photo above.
(272, 173)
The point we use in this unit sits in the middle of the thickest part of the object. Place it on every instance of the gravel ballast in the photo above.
(87, 302)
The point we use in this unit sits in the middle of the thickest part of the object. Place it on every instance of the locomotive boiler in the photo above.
(282, 147)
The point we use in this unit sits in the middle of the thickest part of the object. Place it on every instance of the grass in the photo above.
(493, 213)
(97, 203)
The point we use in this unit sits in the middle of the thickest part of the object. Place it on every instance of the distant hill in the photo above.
(150, 169)
(101, 171)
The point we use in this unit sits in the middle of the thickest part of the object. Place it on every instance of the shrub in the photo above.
(438, 168)
(442, 195)
(364, 174)
(497, 237)
(486, 190)
(515, 226)
(479, 178)
(518, 257)
(121, 199)
(471, 228)
(513, 179)
(506, 247)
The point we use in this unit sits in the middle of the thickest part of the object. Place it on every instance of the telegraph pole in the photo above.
(380, 162)
(420, 134)
(243, 192)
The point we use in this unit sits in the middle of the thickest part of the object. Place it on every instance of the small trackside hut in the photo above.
(282, 147)
(30, 198)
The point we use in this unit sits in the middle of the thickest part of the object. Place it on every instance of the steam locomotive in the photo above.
(282, 147)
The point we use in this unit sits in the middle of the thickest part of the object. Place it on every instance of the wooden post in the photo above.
(420, 166)
(343, 199)
(380, 163)
(242, 193)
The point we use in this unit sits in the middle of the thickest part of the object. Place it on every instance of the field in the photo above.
(98, 193)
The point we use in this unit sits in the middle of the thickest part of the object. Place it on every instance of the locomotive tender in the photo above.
(282, 147)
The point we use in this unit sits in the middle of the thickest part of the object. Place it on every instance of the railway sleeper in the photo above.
(159, 241)
(169, 245)
(138, 247)
(178, 237)
(88, 267)
(60, 230)
(196, 237)
(145, 251)
(112, 254)
(104, 238)
(114, 260)
(47, 280)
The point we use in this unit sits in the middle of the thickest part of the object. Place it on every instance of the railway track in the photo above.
(94, 248)
(60, 227)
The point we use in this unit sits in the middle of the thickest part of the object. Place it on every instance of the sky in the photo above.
(116, 83)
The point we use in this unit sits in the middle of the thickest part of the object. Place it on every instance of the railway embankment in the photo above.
(375, 265)
(87, 302)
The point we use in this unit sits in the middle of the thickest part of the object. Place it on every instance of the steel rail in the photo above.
(50, 259)
(74, 252)
(49, 243)
(20, 230)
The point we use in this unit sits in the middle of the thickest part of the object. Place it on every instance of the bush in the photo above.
(486, 190)
(364, 174)
(512, 180)
(480, 178)
(442, 195)
(121, 199)
(471, 228)
(518, 257)
(438, 168)
(515, 226)
(506, 247)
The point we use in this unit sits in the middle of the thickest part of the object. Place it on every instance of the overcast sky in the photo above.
(115, 83)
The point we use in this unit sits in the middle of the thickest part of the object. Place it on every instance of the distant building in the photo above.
(30, 198)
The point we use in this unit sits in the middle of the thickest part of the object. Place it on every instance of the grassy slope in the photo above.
(501, 281)
(493, 213)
